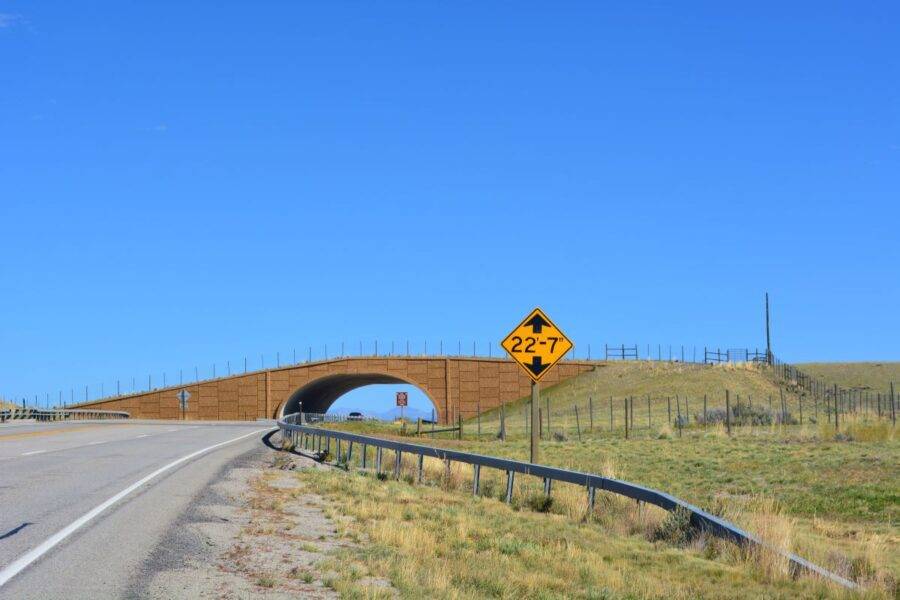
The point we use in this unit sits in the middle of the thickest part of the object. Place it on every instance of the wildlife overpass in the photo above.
(456, 386)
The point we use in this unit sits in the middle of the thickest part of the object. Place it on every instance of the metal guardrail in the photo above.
(61, 414)
(309, 436)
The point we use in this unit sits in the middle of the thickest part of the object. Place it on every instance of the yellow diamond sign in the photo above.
(536, 344)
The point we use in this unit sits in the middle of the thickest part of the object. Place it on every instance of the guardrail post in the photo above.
(476, 479)
(421, 468)
(349, 453)
(378, 459)
(510, 479)
(397, 463)
(591, 491)
(548, 484)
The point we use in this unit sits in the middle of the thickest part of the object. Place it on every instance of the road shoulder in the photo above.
(255, 533)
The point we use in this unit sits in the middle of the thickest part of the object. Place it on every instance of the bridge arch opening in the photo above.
(320, 395)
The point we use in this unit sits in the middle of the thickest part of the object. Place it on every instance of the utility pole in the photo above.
(768, 334)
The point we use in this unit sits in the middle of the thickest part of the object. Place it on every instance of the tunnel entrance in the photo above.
(318, 396)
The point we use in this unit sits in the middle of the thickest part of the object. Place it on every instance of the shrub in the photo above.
(744, 414)
(676, 529)
(541, 503)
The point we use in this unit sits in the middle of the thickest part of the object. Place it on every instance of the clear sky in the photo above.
(186, 184)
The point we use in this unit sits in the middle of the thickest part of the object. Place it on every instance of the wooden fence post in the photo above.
(577, 423)
(678, 413)
(727, 412)
(626, 417)
(549, 430)
(591, 411)
(836, 407)
(893, 407)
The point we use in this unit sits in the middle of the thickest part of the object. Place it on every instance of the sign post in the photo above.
(402, 399)
(536, 344)
(183, 396)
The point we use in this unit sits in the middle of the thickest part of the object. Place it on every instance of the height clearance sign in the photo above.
(537, 344)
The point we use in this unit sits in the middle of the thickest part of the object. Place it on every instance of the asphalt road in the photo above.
(82, 505)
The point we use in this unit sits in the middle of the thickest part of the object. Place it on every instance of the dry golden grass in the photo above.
(444, 543)
(875, 377)
(837, 495)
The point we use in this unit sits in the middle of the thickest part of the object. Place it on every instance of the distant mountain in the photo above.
(391, 414)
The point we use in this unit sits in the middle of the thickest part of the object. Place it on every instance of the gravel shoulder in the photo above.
(255, 533)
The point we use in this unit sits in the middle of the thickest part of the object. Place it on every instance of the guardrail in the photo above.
(61, 414)
(315, 438)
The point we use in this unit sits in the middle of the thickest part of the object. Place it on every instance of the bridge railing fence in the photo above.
(129, 386)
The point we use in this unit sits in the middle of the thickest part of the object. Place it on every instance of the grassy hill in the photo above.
(872, 376)
(832, 498)
(669, 386)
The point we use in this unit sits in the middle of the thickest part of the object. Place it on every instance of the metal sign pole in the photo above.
(535, 419)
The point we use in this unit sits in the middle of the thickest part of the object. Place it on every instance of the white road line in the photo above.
(142, 436)
(95, 443)
(33, 452)
(15, 567)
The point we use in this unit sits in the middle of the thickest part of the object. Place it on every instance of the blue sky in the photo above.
(184, 185)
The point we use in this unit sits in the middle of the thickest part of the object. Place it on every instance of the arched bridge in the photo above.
(456, 386)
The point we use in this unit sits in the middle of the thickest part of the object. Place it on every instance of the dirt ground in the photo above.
(254, 534)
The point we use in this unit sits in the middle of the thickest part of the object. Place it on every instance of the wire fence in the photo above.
(655, 415)
(850, 401)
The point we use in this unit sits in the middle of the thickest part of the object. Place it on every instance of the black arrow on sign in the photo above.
(537, 322)
(537, 366)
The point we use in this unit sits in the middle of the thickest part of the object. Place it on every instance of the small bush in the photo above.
(676, 529)
(541, 503)
(743, 414)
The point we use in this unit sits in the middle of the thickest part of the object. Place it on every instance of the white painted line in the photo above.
(142, 436)
(15, 567)
(95, 443)
(33, 452)
(175, 429)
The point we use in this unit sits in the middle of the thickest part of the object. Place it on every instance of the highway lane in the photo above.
(52, 476)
